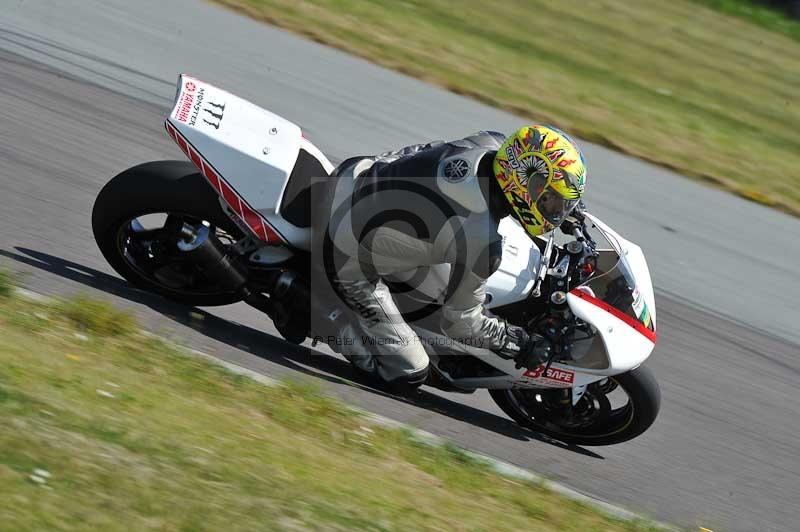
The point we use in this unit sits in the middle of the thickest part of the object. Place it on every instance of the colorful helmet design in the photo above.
(542, 173)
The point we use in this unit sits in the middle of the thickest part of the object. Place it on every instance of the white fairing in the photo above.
(514, 279)
(626, 346)
(252, 149)
(626, 343)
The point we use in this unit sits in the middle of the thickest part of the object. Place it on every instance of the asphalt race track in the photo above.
(85, 86)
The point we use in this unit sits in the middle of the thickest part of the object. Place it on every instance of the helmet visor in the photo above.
(554, 207)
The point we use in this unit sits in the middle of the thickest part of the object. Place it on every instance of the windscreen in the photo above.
(614, 288)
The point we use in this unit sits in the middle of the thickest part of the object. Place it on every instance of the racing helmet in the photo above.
(542, 173)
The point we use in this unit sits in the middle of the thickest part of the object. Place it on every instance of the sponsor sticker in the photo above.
(205, 111)
(194, 107)
(198, 102)
(214, 111)
(183, 109)
(640, 307)
(512, 158)
(560, 376)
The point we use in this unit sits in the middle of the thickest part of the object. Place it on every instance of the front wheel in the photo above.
(611, 411)
(134, 221)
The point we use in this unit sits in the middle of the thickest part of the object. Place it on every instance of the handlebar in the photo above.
(556, 323)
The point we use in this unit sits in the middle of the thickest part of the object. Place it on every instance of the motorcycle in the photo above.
(233, 223)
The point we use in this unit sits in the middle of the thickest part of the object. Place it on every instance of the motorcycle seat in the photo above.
(306, 181)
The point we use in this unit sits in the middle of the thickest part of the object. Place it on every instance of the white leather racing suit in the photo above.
(423, 205)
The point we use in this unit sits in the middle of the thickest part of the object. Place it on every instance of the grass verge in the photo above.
(5, 284)
(676, 83)
(124, 432)
(771, 18)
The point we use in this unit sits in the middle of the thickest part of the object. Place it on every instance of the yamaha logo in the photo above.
(456, 170)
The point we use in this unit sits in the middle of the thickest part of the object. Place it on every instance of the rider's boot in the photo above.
(406, 386)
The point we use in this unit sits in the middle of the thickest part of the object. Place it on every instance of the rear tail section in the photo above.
(246, 153)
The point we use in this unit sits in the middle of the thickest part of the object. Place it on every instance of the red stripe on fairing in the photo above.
(212, 177)
(232, 199)
(636, 324)
(260, 227)
(264, 235)
(171, 131)
(183, 145)
(253, 220)
(271, 234)
(195, 157)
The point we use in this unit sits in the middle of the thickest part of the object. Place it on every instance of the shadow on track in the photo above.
(275, 349)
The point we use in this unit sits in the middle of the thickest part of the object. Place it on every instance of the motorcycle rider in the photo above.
(441, 203)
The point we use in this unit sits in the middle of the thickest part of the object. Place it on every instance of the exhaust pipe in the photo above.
(206, 251)
(288, 303)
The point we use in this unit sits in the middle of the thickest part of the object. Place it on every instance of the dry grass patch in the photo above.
(677, 83)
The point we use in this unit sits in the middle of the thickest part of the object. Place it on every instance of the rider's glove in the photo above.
(526, 350)
(568, 226)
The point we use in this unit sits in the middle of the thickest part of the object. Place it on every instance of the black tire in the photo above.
(157, 187)
(643, 393)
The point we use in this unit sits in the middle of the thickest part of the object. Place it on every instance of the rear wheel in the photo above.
(610, 411)
(136, 221)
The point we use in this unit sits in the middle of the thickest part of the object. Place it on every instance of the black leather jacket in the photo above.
(436, 203)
